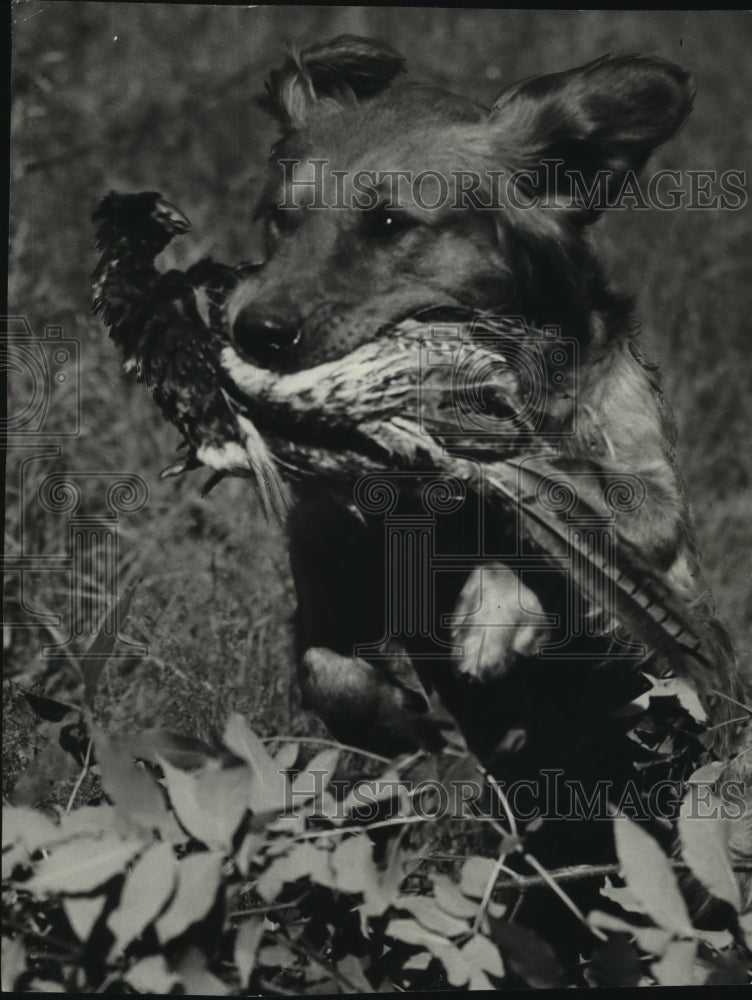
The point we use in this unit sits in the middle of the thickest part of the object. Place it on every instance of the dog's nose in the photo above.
(267, 334)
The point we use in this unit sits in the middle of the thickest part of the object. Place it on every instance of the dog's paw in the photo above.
(496, 620)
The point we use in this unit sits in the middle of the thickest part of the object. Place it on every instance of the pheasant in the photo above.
(170, 328)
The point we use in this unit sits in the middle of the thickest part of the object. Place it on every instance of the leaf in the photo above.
(704, 848)
(708, 774)
(419, 961)
(199, 877)
(48, 709)
(676, 967)
(193, 973)
(676, 687)
(13, 963)
(649, 876)
(475, 876)
(134, 791)
(286, 756)
(352, 969)
(479, 981)
(315, 776)
(147, 889)
(651, 940)
(276, 955)
(269, 787)
(82, 913)
(211, 803)
(532, 958)
(247, 941)
(103, 644)
(481, 952)
(251, 845)
(428, 914)
(30, 827)
(451, 900)
(304, 860)
(411, 932)
(83, 865)
(353, 865)
(88, 821)
(158, 744)
(151, 975)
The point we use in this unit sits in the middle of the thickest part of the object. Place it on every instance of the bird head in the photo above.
(145, 217)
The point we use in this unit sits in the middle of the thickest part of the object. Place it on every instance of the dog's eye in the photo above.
(385, 223)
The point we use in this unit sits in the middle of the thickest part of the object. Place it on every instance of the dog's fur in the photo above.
(335, 278)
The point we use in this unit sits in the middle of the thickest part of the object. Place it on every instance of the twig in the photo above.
(569, 903)
(80, 778)
(740, 704)
(490, 885)
(271, 908)
(328, 743)
(302, 946)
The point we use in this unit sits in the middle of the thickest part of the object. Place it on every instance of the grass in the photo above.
(160, 96)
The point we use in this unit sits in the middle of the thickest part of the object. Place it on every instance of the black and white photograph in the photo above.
(377, 576)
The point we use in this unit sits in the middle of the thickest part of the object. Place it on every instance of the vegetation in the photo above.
(175, 872)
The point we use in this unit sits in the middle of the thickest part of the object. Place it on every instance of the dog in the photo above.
(381, 203)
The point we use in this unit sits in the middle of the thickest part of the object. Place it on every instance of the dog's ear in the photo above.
(601, 121)
(320, 79)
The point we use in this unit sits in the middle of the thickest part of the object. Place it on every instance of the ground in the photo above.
(135, 96)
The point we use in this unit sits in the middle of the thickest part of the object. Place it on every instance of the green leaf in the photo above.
(286, 756)
(430, 916)
(193, 973)
(419, 961)
(88, 821)
(484, 954)
(199, 878)
(151, 975)
(532, 958)
(677, 966)
(451, 900)
(153, 745)
(411, 932)
(303, 861)
(352, 969)
(649, 876)
(211, 803)
(686, 695)
(708, 774)
(29, 827)
(147, 889)
(82, 913)
(475, 875)
(269, 787)
(247, 941)
(137, 796)
(83, 865)
(704, 848)
(480, 981)
(651, 940)
(354, 866)
(103, 644)
(315, 776)
(276, 955)
(13, 963)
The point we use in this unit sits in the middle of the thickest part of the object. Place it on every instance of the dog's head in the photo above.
(381, 202)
